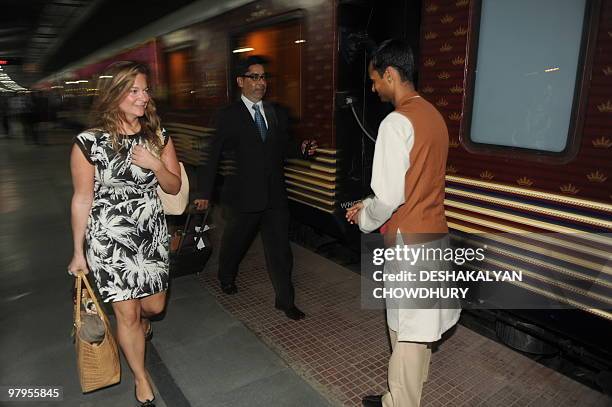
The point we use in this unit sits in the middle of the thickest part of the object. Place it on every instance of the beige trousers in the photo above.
(408, 370)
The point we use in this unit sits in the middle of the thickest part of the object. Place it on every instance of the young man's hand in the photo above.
(352, 213)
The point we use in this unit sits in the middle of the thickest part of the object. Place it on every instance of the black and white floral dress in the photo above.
(127, 236)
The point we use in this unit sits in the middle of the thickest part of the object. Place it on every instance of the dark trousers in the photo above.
(239, 232)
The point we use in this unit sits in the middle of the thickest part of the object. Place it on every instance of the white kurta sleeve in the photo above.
(391, 162)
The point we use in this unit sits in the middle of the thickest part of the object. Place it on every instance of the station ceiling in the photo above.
(39, 37)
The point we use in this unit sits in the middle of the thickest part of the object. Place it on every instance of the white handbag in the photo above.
(176, 204)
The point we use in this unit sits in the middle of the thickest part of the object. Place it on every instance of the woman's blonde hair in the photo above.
(113, 86)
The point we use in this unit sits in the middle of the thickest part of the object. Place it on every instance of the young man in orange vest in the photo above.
(408, 177)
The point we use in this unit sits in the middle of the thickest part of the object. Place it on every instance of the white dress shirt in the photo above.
(249, 106)
(391, 162)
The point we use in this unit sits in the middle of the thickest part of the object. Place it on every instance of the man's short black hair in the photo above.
(242, 66)
(397, 54)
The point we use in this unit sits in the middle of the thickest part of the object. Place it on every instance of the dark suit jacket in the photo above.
(257, 182)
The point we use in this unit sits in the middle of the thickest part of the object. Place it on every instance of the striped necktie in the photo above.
(260, 122)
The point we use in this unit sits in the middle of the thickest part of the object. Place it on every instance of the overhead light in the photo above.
(551, 69)
(239, 50)
(105, 76)
(299, 41)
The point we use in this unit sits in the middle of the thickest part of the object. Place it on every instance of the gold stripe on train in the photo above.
(326, 160)
(576, 290)
(311, 204)
(321, 191)
(310, 173)
(494, 186)
(309, 196)
(327, 151)
(575, 304)
(311, 165)
(311, 181)
(527, 221)
(540, 263)
(201, 129)
(179, 133)
(525, 246)
(532, 208)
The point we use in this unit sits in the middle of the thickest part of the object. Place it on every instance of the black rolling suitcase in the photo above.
(190, 246)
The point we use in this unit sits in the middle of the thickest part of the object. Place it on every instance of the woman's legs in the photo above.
(151, 306)
(131, 338)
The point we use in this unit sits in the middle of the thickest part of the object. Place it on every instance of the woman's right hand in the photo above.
(78, 264)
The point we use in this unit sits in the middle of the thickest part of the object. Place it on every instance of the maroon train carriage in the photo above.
(528, 107)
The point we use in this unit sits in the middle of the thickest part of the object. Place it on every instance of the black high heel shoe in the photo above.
(146, 403)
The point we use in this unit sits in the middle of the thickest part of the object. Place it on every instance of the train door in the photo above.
(281, 45)
(361, 26)
(180, 78)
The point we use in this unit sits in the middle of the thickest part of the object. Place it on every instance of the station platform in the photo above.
(216, 350)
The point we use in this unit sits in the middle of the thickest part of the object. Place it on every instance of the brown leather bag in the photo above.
(98, 363)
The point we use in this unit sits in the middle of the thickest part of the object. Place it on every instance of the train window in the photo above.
(281, 45)
(526, 78)
(179, 66)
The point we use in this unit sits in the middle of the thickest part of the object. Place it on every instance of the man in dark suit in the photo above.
(255, 135)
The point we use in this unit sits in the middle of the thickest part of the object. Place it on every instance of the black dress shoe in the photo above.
(229, 289)
(372, 401)
(292, 312)
(146, 403)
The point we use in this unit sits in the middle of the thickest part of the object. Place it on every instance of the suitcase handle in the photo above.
(191, 209)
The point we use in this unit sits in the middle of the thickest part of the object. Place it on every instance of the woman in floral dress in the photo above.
(118, 223)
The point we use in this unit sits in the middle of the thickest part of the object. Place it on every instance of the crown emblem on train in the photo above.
(569, 189)
(602, 142)
(607, 70)
(451, 169)
(462, 3)
(443, 75)
(453, 143)
(605, 107)
(431, 35)
(447, 19)
(596, 176)
(524, 182)
(432, 8)
(458, 61)
(429, 62)
(455, 116)
(459, 32)
(442, 102)
(427, 89)
(456, 89)
(446, 47)
(486, 174)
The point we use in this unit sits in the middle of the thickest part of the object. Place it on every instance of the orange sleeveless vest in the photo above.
(423, 209)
